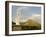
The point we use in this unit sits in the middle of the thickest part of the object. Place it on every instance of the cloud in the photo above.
(36, 17)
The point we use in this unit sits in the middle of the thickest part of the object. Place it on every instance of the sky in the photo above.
(25, 11)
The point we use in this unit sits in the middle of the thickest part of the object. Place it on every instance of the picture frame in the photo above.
(9, 11)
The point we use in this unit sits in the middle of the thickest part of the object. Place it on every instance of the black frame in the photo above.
(7, 17)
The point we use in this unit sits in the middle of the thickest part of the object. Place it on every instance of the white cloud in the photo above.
(36, 17)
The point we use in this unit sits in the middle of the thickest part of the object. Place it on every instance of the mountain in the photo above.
(30, 22)
(30, 25)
